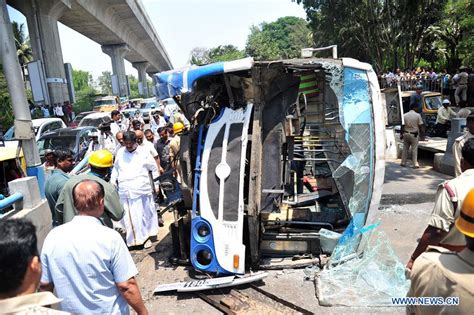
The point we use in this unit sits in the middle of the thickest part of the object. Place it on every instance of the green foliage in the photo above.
(6, 111)
(383, 33)
(133, 81)
(85, 99)
(22, 45)
(391, 34)
(225, 53)
(281, 39)
(85, 92)
(105, 82)
(202, 56)
(81, 79)
(466, 22)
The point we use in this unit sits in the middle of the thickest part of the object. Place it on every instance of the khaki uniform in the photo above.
(175, 145)
(457, 147)
(461, 90)
(442, 273)
(444, 214)
(411, 131)
(35, 303)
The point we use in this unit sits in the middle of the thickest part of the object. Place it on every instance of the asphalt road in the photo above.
(407, 200)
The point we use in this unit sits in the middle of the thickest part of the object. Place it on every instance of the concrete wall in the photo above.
(32, 207)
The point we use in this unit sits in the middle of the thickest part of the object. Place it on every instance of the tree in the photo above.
(22, 45)
(199, 56)
(281, 39)
(203, 56)
(81, 79)
(225, 53)
(105, 82)
(387, 33)
(6, 110)
(133, 81)
(84, 89)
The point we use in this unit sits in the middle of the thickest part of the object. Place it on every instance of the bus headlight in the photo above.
(204, 257)
(203, 230)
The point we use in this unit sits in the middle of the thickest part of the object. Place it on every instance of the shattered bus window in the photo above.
(371, 278)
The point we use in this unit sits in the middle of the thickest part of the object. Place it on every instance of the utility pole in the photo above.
(23, 126)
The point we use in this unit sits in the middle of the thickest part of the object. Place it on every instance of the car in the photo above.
(95, 119)
(146, 106)
(129, 112)
(77, 140)
(40, 126)
(78, 118)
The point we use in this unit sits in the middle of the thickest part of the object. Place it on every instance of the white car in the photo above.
(40, 126)
(95, 119)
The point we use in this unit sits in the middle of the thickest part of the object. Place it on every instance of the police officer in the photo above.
(440, 272)
(449, 200)
(459, 143)
(175, 145)
(409, 135)
(100, 163)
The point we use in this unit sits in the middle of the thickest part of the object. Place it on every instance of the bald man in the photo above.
(149, 147)
(100, 270)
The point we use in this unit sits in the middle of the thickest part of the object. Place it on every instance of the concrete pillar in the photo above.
(141, 68)
(42, 19)
(116, 53)
(152, 89)
(12, 71)
(33, 207)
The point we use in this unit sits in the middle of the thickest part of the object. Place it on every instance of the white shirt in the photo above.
(131, 171)
(114, 128)
(444, 115)
(107, 142)
(84, 260)
(148, 146)
(59, 111)
(155, 126)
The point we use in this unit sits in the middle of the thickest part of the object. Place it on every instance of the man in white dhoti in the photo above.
(130, 172)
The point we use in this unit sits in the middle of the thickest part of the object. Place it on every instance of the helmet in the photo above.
(101, 159)
(465, 221)
(446, 101)
(178, 127)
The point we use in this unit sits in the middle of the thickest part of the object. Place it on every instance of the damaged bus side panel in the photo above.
(278, 154)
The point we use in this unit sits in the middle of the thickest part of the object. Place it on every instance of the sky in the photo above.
(181, 26)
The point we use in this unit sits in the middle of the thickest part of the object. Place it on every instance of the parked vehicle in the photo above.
(106, 104)
(430, 101)
(279, 151)
(78, 118)
(95, 119)
(146, 107)
(77, 140)
(40, 126)
(10, 167)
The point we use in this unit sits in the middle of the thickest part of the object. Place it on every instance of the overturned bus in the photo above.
(277, 152)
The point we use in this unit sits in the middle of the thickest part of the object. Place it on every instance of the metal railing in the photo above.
(6, 202)
(433, 85)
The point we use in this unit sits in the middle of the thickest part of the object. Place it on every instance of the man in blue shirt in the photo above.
(55, 183)
(87, 263)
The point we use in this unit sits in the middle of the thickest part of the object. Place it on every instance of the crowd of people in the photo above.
(458, 87)
(64, 111)
(116, 193)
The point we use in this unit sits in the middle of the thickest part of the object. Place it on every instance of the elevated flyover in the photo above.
(121, 27)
